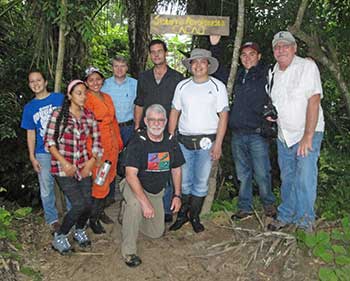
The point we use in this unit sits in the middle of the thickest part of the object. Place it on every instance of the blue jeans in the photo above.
(47, 186)
(251, 156)
(196, 171)
(299, 183)
(126, 132)
(79, 194)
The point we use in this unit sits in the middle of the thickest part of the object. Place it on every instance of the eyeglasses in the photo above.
(282, 47)
(154, 120)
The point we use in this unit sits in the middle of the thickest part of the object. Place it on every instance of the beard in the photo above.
(156, 130)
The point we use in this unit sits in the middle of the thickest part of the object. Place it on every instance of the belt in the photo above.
(127, 123)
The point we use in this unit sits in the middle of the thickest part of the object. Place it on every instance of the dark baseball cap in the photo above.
(252, 45)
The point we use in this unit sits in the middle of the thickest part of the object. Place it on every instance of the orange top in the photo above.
(111, 141)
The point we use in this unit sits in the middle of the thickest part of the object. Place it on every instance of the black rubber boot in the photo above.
(182, 216)
(195, 209)
(94, 222)
(97, 227)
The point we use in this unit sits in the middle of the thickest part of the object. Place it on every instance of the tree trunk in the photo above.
(60, 204)
(139, 17)
(212, 183)
(61, 46)
(327, 59)
(238, 42)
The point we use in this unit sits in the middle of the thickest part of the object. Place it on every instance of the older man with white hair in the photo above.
(151, 158)
(296, 93)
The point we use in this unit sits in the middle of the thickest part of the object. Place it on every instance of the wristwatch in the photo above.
(178, 196)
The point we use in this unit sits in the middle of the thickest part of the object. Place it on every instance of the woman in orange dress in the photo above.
(101, 105)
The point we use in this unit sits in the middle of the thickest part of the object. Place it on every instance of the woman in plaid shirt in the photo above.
(66, 136)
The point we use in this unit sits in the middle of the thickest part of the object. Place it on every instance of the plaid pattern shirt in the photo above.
(72, 142)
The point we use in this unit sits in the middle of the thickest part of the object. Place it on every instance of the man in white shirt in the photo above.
(296, 93)
(200, 109)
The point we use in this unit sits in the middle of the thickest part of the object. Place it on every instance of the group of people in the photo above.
(173, 129)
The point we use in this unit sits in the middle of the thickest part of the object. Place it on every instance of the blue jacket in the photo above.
(249, 95)
(249, 99)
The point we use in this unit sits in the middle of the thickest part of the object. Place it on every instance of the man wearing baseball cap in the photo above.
(296, 93)
(250, 150)
(200, 109)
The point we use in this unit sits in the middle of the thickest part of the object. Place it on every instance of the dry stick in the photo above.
(4, 263)
(12, 247)
(88, 254)
(259, 219)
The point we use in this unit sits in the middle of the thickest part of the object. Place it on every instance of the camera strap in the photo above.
(269, 85)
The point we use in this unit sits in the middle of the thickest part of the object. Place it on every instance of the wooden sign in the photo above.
(189, 24)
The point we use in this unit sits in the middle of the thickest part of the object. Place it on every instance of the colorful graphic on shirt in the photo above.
(158, 162)
(43, 115)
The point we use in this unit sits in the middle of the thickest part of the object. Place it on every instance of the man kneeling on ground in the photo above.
(150, 159)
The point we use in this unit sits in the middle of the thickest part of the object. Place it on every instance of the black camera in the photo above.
(269, 129)
(269, 110)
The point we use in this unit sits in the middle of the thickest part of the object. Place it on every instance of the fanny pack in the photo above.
(197, 141)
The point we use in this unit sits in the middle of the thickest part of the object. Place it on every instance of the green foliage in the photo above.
(333, 184)
(332, 248)
(30, 272)
(6, 219)
(106, 44)
(225, 205)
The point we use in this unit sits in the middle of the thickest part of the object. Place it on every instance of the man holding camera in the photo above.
(296, 93)
(250, 150)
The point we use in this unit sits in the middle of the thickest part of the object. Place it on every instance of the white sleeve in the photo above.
(313, 75)
(222, 100)
(176, 103)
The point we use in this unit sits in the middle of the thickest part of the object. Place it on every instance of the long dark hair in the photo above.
(64, 114)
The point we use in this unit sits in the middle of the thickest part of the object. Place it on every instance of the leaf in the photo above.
(22, 212)
(345, 223)
(341, 274)
(323, 238)
(5, 217)
(337, 234)
(310, 240)
(327, 274)
(324, 254)
(342, 260)
(339, 249)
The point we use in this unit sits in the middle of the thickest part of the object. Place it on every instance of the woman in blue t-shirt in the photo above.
(36, 115)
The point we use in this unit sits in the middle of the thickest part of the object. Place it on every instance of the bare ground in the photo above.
(224, 251)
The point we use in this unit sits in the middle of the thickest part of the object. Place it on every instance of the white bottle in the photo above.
(103, 172)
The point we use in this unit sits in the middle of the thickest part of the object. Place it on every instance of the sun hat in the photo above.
(284, 36)
(200, 54)
(90, 70)
(252, 45)
(73, 83)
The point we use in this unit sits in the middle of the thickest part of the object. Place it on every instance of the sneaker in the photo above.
(61, 244)
(81, 237)
(168, 218)
(270, 211)
(241, 215)
(132, 260)
(105, 219)
(276, 225)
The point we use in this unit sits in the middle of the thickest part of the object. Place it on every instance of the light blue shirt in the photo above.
(123, 96)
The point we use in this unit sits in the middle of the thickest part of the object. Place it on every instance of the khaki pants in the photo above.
(134, 221)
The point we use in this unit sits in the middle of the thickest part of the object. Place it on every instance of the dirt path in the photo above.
(181, 255)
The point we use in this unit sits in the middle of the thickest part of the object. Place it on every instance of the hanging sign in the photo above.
(190, 24)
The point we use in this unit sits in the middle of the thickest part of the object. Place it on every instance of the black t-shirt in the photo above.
(150, 92)
(154, 160)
